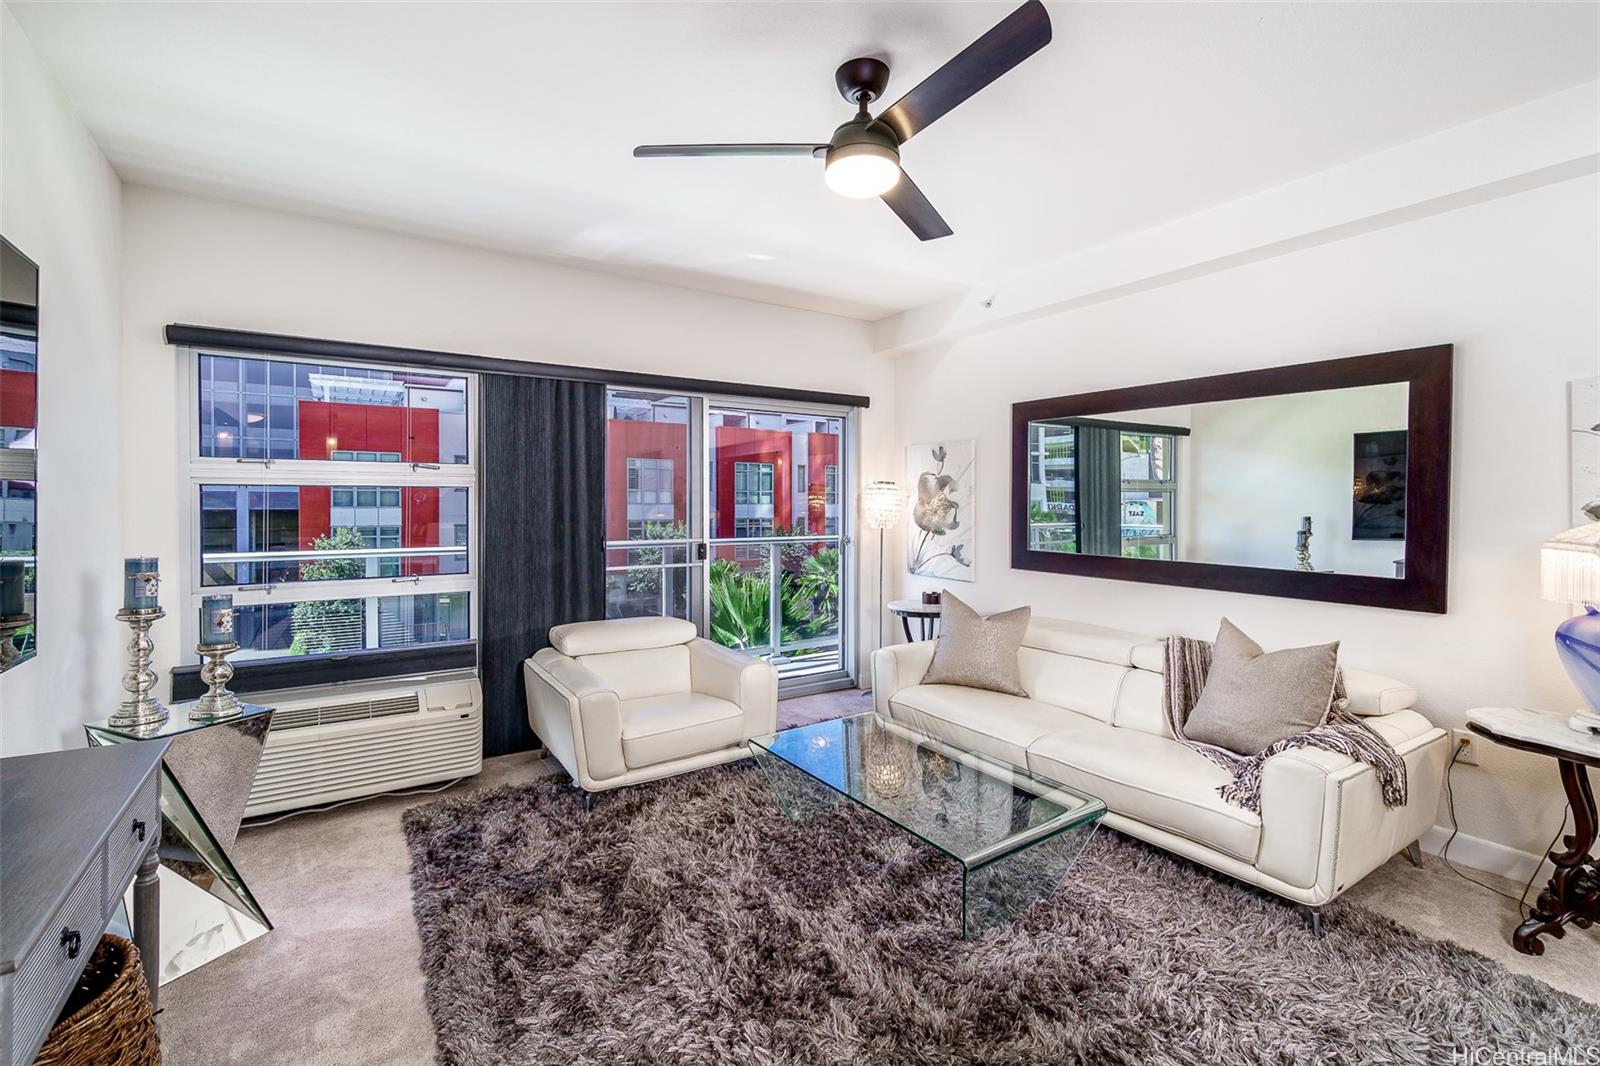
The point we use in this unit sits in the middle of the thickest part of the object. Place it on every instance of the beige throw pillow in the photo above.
(978, 652)
(1255, 698)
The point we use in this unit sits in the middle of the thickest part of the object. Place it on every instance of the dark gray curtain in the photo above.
(543, 516)
(1099, 480)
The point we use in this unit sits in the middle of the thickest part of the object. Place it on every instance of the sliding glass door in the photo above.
(654, 557)
(734, 516)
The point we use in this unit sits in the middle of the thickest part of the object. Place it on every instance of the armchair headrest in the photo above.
(620, 634)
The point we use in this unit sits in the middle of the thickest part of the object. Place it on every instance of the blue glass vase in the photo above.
(1578, 644)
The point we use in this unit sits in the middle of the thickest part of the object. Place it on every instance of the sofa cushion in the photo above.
(662, 728)
(634, 675)
(978, 652)
(1088, 686)
(1150, 779)
(1140, 704)
(990, 723)
(619, 634)
(1254, 698)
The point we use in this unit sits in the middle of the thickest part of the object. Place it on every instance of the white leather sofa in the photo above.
(1094, 721)
(634, 699)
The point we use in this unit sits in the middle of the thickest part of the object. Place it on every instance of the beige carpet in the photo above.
(338, 983)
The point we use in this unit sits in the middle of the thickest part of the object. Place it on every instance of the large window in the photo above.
(336, 504)
(1149, 495)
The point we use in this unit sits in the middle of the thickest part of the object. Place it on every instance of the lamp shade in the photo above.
(1569, 565)
(881, 503)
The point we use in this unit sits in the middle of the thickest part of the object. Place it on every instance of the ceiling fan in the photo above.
(863, 157)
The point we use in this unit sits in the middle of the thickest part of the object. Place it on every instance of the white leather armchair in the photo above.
(636, 699)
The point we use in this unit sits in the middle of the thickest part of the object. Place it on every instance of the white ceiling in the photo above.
(510, 125)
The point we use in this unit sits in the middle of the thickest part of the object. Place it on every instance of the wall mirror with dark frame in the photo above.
(1322, 481)
(19, 454)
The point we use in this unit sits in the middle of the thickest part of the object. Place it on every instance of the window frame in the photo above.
(197, 470)
(1169, 487)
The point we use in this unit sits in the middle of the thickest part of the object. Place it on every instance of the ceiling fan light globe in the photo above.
(862, 171)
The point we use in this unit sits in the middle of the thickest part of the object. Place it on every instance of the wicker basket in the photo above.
(107, 1020)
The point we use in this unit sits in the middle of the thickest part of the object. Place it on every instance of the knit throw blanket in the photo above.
(1188, 661)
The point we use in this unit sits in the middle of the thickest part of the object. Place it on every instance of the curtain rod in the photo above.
(282, 344)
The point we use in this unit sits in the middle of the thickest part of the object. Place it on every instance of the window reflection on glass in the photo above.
(254, 408)
(19, 455)
(773, 473)
(322, 627)
(267, 534)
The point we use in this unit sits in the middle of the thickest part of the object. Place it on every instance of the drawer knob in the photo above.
(138, 827)
(72, 942)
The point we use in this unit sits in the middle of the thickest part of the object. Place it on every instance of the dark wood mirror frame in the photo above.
(1427, 372)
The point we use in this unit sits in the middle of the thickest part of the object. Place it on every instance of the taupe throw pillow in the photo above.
(1254, 698)
(978, 652)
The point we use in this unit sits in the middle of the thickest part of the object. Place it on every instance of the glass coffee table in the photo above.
(1015, 833)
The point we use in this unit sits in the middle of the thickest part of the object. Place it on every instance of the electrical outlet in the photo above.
(1466, 746)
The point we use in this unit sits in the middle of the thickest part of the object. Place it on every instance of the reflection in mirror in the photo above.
(1305, 481)
(19, 464)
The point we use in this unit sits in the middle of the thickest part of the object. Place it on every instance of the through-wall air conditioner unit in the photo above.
(349, 744)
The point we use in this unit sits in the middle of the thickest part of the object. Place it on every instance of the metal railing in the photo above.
(793, 657)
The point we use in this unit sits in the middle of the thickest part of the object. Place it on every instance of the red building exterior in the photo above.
(19, 399)
(413, 432)
(627, 439)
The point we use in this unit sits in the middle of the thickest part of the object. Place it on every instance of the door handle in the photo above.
(138, 827)
(72, 941)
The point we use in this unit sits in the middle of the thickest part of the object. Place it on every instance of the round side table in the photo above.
(926, 614)
(1573, 894)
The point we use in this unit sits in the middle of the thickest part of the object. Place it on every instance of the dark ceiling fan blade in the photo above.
(652, 151)
(907, 201)
(1015, 38)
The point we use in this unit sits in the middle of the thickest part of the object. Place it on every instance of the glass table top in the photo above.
(971, 807)
(178, 721)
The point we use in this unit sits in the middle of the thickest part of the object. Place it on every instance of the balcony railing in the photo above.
(777, 598)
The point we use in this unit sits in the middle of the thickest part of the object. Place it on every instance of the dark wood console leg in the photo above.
(1573, 894)
(147, 919)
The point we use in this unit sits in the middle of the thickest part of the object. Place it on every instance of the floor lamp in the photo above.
(881, 504)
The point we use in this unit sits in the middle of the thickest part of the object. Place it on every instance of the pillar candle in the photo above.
(216, 621)
(11, 584)
(139, 594)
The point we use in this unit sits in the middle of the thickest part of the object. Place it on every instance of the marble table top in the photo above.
(915, 607)
(1548, 729)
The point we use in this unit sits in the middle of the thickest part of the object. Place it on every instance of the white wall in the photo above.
(198, 261)
(1253, 468)
(60, 205)
(1511, 281)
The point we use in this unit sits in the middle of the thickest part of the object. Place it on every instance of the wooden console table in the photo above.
(79, 826)
(1573, 894)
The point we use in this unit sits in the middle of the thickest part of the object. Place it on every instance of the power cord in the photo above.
(1455, 828)
(346, 803)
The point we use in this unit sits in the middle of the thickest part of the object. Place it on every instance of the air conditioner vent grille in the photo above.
(353, 711)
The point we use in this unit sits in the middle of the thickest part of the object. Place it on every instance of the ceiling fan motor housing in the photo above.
(864, 77)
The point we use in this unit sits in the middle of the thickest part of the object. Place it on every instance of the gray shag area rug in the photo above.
(689, 921)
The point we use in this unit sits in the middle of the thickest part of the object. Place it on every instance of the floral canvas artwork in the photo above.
(939, 540)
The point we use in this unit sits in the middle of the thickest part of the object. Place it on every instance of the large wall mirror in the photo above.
(19, 455)
(1323, 481)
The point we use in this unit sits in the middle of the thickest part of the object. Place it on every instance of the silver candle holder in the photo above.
(218, 703)
(140, 709)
